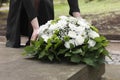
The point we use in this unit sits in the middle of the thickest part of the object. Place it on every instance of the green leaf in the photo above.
(68, 54)
(105, 43)
(41, 40)
(48, 46)
(77, 51)
(89, 61)
(71, 46)
(75, 58)
(52, 51)
(29, 49)
(66, 38)
(51, 57)
(36, 44)
(42, 54)
(100, 50)
(58, 44)
(85, 48)
(56, 32)
(96, 47)
(98, 39)
(86, 40)
(106, 53)
(62, 51)
(56, 39)
(49, 40)
(94, 29)
(101, 39)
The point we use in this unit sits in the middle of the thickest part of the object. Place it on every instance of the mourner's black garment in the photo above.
(21, 12)
(45, 11)
(74, 7)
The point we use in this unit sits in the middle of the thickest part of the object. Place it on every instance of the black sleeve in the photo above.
(74, 7)
(30, 9)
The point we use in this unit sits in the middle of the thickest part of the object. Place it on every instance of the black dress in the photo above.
(46, 9)
(21, 12)
(74, 7)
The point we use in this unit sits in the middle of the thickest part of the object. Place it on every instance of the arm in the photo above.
(35, 26)
(31, 12)
(74, 8)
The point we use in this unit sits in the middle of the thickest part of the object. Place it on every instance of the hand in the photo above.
(35, 26)
(35, 35)
(76, 15)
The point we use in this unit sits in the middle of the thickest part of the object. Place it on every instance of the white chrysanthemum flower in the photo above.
(62, 24)
(79, 40)
(46, 37)
(48, 23)
(53, 27)
(80, 29)
(72, 34)
(77, 29)
(67, 44)
(91, 43)
(84, 34)
(72, 20)
(63, 17)
(42, 29)
(83, 23)
(92, 34)
(72, 26)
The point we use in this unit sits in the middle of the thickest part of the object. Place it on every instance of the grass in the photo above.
(94, 7)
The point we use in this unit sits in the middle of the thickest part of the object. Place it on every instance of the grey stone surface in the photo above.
(112, 71)
(114, 49)
(14, 66)
(89, 73)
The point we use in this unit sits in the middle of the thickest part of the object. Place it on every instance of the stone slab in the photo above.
(14, 66)
(112, 72)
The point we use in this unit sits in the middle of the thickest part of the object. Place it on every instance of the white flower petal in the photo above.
(72, 34)
(93, 34)
(42, 29)
(67, 44)
(46, 37)
(91, 43)
(53, 27)
(63, 17)
(79, 40)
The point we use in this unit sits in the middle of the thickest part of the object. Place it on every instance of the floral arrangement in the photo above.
(71, 39)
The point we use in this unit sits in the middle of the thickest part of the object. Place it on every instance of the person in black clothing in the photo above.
(45, 10)
(21, 14)
(24, 12)
(74, 8)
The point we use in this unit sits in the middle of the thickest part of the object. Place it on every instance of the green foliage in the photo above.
(54, 49)
(56, 45)
(94, 29)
